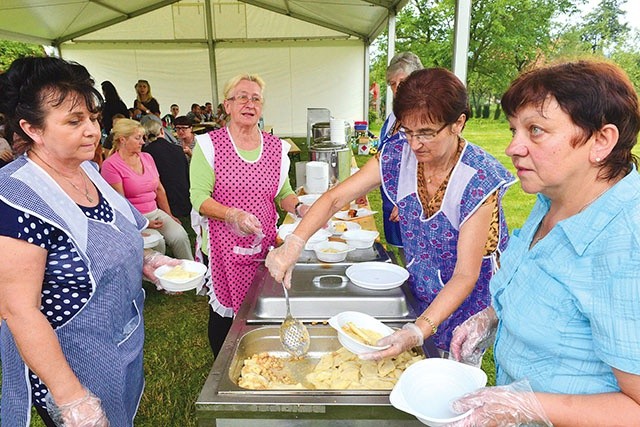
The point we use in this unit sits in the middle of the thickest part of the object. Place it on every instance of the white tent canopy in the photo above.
(311, 53)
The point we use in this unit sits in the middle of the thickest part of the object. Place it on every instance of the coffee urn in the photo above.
(332, 149)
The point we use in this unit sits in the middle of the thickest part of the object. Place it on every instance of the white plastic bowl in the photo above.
(180, 285)
(427, 388)
(309, 199)
(361, 320)
(151, 238)
(331, 251)
(360, 239)
(318, 237)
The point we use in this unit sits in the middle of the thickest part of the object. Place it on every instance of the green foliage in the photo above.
(10, 51)
(509, 36)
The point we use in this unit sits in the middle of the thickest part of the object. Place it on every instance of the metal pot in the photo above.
(321, 133)
(338, 158)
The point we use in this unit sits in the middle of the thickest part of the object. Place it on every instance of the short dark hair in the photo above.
(433, 94)
(593, 94)
(182, 121)
(32, 83)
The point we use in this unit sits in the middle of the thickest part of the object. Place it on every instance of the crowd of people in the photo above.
(557, 299)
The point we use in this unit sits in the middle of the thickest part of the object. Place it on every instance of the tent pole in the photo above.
(391, 49)
(462, 25)
(367, 59)
(211, 48)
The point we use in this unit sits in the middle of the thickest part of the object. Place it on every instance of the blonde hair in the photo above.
(149, 96)
(233, 82)
(123, 128)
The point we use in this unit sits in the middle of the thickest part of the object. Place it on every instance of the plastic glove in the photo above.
(401, 340)
(302, 210)
(281, 260)
(473, 337)
(242, 223)
(153, 260)
(84, 412)
(511, 405)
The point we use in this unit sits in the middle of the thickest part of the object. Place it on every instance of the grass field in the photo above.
(177, 356)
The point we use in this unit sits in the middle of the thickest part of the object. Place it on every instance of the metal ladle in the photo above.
(294, 336)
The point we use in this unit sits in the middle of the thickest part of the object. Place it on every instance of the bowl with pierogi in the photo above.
(359, 332)
(182, 277)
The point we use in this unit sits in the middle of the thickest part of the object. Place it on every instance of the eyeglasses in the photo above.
(178, 128)
(423, 137)
(244, 99)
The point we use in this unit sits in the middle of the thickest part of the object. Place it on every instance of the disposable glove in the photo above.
(153, 260)
(242, 223)
(84, 412)
(302, 210)
(401, 340)
(473, 337)
(281, 260)
(510, 405)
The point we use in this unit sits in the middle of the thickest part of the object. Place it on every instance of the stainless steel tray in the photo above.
(266, 339)
(375, 253)
(317, 293)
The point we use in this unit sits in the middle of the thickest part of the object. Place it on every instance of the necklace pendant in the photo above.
(89, 198)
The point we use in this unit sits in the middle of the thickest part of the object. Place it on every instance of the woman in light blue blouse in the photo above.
(565, 303)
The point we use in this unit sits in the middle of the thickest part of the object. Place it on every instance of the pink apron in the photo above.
(252, 187)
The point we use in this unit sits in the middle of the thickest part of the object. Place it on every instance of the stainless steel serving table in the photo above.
(256, 329)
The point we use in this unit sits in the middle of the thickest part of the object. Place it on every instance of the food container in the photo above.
(186, 276)
(331, 251)
(347, 320)
(222, 402)
(320, 291)
(360, 239)
(427, 388)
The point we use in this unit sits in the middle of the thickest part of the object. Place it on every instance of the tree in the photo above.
(602, 30)
(507, 36)
(10, 51)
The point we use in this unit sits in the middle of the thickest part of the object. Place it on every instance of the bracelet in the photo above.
(295, 210)
(434, 328)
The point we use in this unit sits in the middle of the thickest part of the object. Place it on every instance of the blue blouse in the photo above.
(569, 306)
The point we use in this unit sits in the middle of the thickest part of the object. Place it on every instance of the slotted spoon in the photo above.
(294, 336)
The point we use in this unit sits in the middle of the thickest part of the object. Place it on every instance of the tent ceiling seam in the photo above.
(304, 18)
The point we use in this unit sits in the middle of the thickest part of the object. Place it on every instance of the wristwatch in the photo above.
(295, 210)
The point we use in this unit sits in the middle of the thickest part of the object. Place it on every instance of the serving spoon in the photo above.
(294, 335)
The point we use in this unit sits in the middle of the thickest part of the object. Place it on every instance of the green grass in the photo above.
(177, 355)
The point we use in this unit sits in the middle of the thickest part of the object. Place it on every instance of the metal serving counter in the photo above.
(222, 402)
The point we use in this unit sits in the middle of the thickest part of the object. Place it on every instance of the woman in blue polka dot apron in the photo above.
(71, 273)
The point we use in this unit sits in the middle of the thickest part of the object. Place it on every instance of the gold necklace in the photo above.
(540, 234)
(84, 179)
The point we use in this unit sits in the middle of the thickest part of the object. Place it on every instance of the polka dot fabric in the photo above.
(66, 286)
(251, 186)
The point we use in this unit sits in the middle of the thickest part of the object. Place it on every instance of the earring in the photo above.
(598, 159)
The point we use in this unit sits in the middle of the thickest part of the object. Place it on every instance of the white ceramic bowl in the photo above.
(427, 388)
(181, 284)
(361, 320)
(331, 251)
(360, 239)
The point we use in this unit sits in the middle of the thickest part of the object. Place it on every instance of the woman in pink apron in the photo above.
(238, 174)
